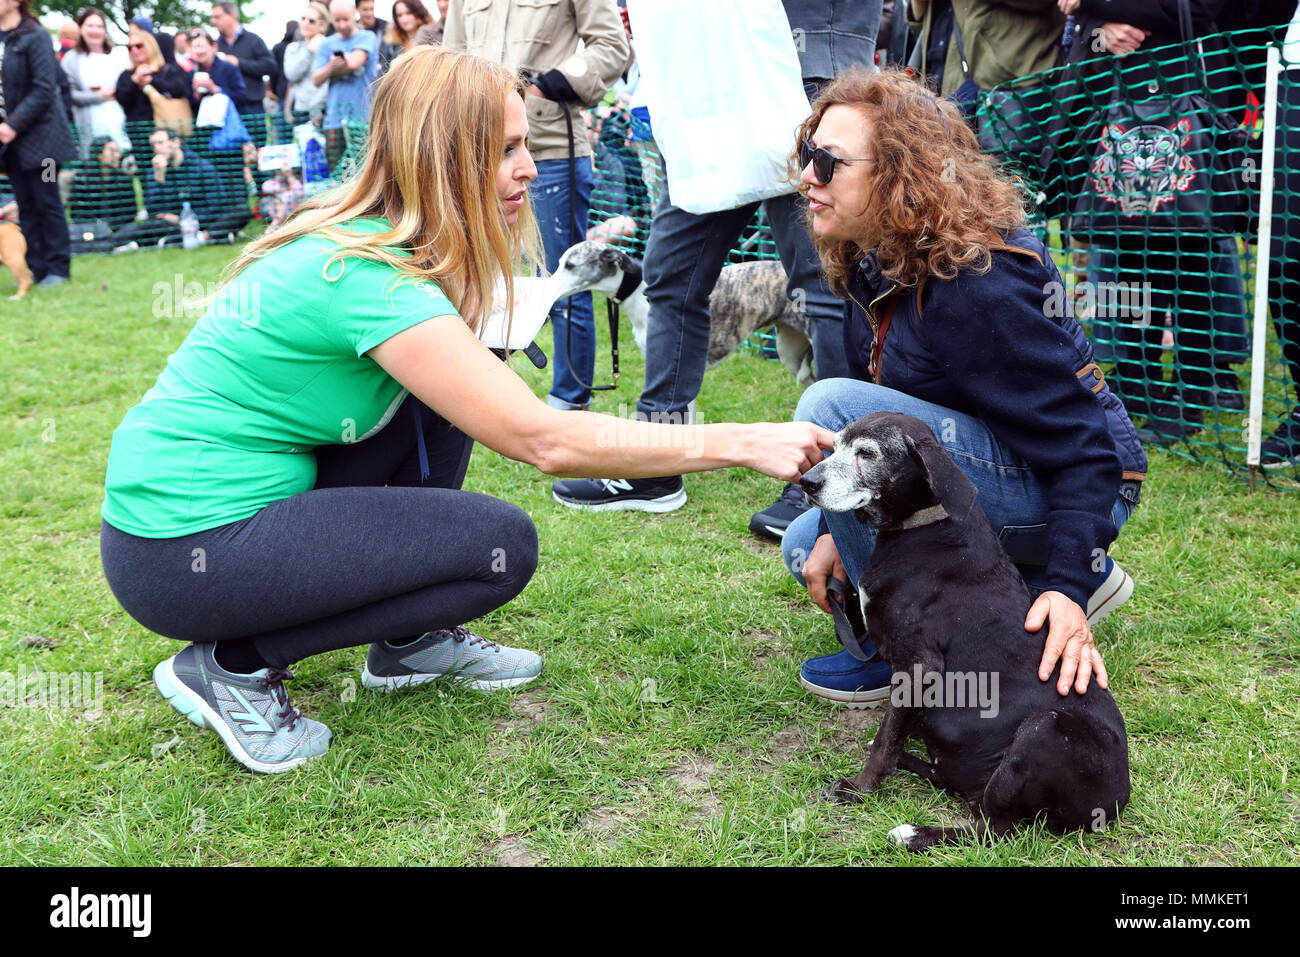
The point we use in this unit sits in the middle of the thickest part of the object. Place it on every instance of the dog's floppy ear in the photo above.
(949, 484)
(612, 255)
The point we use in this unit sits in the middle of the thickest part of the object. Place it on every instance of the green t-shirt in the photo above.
(274, 368)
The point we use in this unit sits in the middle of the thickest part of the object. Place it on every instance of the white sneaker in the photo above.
(1116, 589)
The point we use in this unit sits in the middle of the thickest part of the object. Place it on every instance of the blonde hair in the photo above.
(436, 139)
(321, 11)
(152, 52)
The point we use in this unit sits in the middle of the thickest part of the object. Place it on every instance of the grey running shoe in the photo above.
(454, 652)
(250, 713)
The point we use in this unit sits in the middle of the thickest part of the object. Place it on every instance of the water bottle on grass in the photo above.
(189, 228)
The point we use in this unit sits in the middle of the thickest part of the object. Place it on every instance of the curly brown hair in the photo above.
(942, 203)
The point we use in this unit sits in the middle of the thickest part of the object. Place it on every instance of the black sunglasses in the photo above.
(823, 161)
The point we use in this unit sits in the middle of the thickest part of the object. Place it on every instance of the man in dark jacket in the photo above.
(222, 77)
(176, 176)
(35, 138)
(1188, 273)
(248, 52)
(366, 14)
(685, 254)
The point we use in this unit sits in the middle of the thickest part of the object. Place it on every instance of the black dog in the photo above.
(946, 608)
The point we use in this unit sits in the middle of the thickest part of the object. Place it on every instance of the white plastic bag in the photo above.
(534, 296)
(725, 93)
(212, 110)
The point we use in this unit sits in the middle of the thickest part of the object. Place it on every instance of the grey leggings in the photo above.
(373, 552)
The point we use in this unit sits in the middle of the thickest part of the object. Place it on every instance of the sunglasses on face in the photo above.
(135, 46)
(823, 161)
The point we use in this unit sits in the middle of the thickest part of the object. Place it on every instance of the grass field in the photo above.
(668, 726)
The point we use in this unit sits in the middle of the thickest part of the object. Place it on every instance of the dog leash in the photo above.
(849, 626)
(612, 311)
(631, 281)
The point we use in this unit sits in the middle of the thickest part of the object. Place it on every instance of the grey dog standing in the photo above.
(747, 297)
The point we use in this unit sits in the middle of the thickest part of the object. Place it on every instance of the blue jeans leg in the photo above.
(1009, 493)
(1229, 298)
(563, 222)
(683, 258)
(1103, 273)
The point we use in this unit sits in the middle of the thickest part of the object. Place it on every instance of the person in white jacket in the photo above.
(93, 67)
(304, 97)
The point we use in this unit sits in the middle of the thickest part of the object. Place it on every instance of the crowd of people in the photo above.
(220, 90)
(901, 212)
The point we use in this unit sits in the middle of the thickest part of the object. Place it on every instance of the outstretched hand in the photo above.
(1069, 640)
(785, 450)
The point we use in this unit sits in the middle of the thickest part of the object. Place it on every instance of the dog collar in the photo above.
(631, 279)
(925, 516)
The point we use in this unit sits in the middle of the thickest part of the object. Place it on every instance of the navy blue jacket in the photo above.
(1003, 347)
(195, 182)
(231, 82)
(255, 62)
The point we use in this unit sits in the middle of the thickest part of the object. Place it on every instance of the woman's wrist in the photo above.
(744, 440)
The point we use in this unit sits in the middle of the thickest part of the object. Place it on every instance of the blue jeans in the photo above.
(1103, 270)
(1229, 305)
(1012, 498)
(683, 257)
(563, 221)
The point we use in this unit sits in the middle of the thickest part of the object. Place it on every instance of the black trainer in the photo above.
(1138, 398)
(776, 518)
(665, 494)
(1282, 448)
(1170, 422)
(1227, 392)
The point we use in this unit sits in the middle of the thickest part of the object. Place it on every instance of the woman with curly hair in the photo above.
(956, 315)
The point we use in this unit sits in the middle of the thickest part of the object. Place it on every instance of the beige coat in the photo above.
(541, 35)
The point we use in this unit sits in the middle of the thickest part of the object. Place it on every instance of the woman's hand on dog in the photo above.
(821, 566)
(784, 450)
(1069, 640)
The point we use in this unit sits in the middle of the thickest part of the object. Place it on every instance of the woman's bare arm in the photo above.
(446, 367)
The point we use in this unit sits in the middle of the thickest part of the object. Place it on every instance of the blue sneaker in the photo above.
(843, 679)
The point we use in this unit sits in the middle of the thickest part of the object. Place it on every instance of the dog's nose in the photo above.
(811, 483)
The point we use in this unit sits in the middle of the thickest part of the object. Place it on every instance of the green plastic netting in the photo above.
(1145, 174)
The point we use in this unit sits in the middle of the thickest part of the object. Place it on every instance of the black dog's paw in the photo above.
(842, 791)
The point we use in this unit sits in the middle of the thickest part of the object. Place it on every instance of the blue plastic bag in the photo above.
(232, 134)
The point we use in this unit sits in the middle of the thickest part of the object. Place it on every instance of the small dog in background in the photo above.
(747, 297)
(13, 249)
